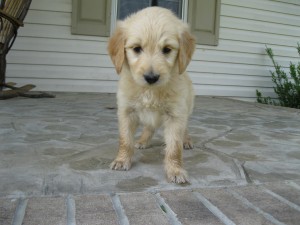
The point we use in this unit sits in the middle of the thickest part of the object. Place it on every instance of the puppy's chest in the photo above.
(150, 109)
(149, 101)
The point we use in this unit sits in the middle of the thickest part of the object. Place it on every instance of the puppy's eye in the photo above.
(166, 50)
(137, 49)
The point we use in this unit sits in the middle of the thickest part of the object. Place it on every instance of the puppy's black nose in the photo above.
(151, 77)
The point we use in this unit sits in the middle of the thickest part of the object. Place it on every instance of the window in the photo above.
(99, 17)
(122, 8)
(127, 7)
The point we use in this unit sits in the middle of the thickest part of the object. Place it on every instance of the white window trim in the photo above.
(114, 11)
(185, 7)
(113, 19)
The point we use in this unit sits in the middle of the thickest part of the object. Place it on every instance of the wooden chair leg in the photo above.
(13, 91)
(2, 70)
(12, 14)
(23, 91)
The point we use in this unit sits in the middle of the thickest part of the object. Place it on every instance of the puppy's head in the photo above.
(153, 44)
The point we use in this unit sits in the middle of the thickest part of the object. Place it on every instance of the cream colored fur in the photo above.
(153, 41)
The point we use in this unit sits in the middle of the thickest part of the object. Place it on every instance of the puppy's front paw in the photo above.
(177, 175)
(120, 164)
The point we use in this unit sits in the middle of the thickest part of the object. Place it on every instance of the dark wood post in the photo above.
(2, 70)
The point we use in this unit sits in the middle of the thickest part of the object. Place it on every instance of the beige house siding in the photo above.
(48, 55)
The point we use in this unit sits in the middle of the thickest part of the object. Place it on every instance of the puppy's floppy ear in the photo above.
(186, 50)
(116, 48)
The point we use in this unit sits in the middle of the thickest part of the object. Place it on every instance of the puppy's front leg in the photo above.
(174, 132)
(127, 127)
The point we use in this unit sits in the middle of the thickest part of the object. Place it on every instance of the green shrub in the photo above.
(286, 87)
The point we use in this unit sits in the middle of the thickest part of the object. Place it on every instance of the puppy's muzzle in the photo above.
(151, 77)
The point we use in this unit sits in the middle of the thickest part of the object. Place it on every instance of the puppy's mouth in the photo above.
(151, 78)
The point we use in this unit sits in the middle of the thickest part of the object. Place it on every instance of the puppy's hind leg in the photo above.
(127, 127)
(145, 138)
(187, 141)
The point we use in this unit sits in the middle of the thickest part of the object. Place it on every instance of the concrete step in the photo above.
(270, 203)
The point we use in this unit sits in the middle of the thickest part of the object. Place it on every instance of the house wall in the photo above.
(47, 55)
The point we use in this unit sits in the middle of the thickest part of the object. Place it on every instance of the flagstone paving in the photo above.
(55, 156)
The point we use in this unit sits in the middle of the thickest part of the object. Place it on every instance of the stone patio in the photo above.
(55, 156)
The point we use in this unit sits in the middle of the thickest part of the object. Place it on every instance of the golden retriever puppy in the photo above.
(151, 50)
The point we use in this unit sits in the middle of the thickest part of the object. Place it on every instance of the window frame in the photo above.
(205, 31)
